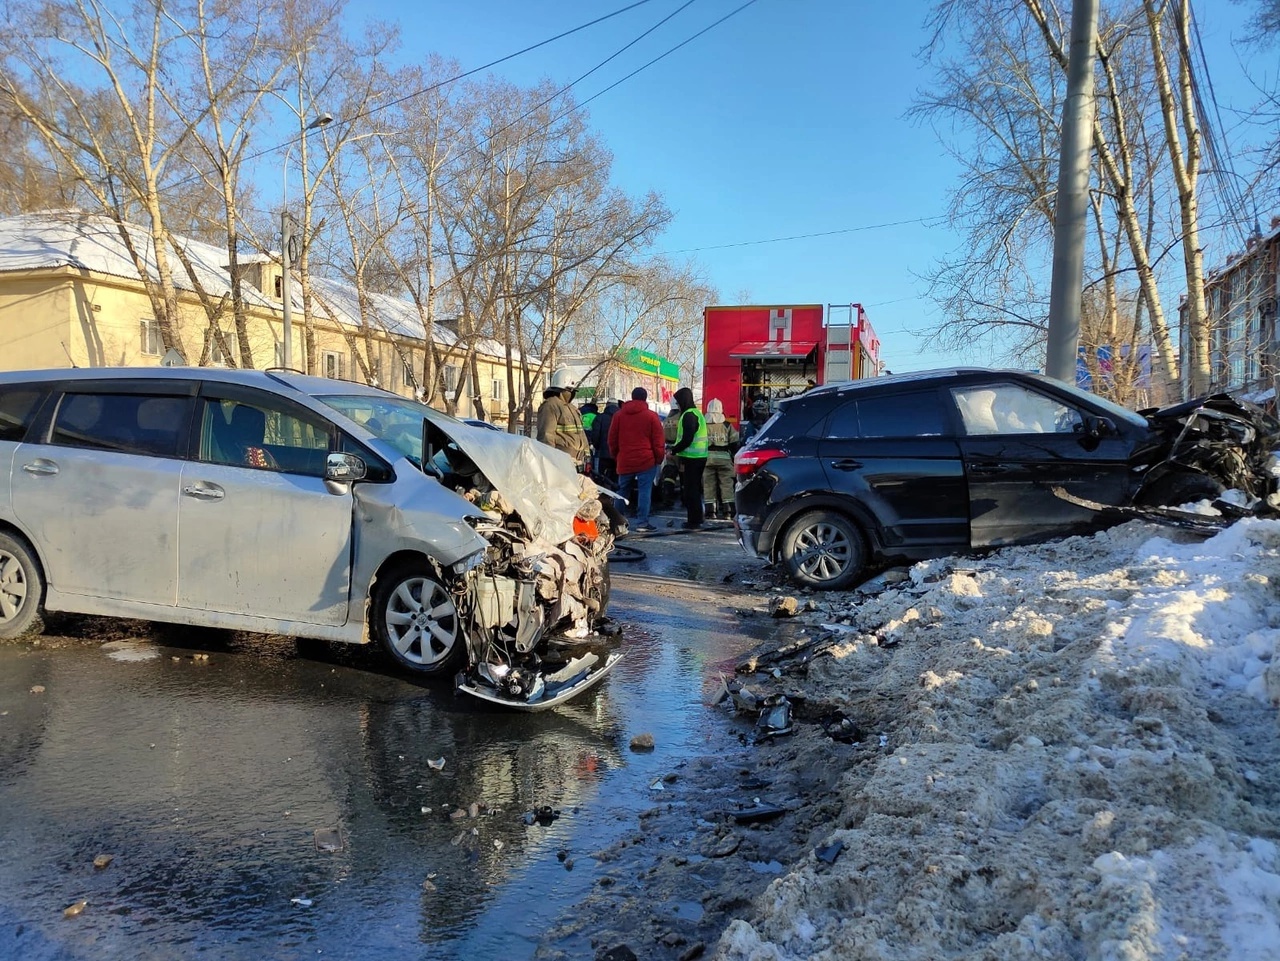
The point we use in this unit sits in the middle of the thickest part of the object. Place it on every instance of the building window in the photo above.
(152, 342)
(279, 355)
(331, 364)
(279, 287)
(375, 371)
(450, 377)
(406, 372)
(217, 356)
(497, 390)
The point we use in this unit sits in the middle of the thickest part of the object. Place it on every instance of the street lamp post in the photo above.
(286, 241)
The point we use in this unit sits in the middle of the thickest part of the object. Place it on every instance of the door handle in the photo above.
(41, 467)
(847, 463)
(988, 469)
(205, 492)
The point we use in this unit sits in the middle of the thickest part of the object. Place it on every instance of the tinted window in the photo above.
(129, 423)
(262, 435)
(914, 414)
(795, 419)
(17, 408)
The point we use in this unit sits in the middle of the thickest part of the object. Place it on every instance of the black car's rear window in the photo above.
(18, 406)
(917, 413)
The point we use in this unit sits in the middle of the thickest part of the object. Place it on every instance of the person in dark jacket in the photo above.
(635, 440)
(690, 449)
(560, 425)
(598, 434)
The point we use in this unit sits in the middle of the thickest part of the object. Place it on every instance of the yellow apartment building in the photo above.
(70, 295)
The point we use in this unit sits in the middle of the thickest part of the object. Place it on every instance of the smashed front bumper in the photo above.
(537, 691)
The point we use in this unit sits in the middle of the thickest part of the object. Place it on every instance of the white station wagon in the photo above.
(279, 503)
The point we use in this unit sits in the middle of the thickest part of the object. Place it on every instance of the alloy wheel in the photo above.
(823, 552)
(13, 587)
(421, 622)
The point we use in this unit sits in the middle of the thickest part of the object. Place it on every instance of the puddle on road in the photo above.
(210, 787)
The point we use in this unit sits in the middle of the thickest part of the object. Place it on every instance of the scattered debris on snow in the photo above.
(1075, 755)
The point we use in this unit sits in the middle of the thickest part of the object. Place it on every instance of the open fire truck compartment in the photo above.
(774, 351)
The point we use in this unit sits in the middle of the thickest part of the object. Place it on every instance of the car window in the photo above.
(17, 409)
(1013, 409)
(262, 436)
(128, 423)
(910, 414)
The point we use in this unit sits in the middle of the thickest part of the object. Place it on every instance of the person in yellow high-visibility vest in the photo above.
(690, 449)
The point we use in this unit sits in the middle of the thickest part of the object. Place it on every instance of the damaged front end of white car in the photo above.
(513, 595)
(534, 613)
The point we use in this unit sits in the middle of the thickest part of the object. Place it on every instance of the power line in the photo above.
(661, 56)
(1223, 168)
(453, 179)
(512, 56)
(823, 233)
(441, 83)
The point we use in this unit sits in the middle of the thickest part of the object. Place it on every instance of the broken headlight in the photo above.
(467, 564)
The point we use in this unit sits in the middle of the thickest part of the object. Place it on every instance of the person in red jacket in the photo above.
(637, 444)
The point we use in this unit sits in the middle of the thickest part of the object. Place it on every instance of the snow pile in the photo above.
(1080, 760)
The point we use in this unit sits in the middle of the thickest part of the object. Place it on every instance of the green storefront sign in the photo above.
(647, 363)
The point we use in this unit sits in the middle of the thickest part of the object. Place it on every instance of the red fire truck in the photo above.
(756, 354)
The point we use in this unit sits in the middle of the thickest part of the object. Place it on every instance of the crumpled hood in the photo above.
(1169, 420)
(541, 483)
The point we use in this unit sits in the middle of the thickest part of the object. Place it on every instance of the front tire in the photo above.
(21, 589)
(823, 550)
(416, 621)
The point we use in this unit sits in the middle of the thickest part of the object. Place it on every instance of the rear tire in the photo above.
(1174, 490)
(21, 589)
(824, 550)
(416, 621)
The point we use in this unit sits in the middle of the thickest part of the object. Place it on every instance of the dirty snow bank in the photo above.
(1080, 759)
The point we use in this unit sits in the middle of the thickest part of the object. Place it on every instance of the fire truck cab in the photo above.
(761, 354)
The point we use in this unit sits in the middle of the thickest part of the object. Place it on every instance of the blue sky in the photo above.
(787, 119)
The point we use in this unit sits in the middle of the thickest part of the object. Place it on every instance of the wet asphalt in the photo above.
(258, 799)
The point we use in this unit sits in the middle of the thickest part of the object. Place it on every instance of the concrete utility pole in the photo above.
(1072, 209)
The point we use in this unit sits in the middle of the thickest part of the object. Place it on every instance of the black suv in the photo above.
(923, 465)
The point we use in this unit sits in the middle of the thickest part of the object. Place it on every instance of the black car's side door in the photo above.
(1018, 444)
(897, 456)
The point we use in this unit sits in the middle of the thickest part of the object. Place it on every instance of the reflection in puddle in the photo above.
(131, 650)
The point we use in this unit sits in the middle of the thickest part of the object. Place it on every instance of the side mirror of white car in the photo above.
(344, 468)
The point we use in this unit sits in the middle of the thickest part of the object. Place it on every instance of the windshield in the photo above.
(396, 420)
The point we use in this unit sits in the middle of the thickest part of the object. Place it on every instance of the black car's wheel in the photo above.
(1176, 489)
(21, 589)
(823, 549)
(416, 621)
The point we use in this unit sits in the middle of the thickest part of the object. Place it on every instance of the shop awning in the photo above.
(776, 348)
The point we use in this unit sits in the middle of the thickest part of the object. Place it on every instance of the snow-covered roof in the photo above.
(70, 238)
(82, 241)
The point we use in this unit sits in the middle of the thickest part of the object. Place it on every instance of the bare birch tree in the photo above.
(1007, 93)
(122, 59)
